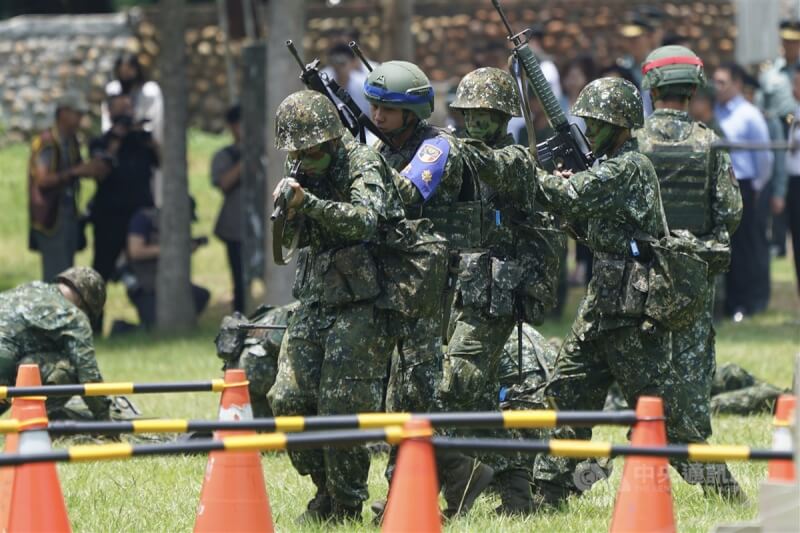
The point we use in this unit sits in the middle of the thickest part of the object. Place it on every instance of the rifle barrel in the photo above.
(357, 51)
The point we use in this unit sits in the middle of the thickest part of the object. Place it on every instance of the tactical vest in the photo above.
(684, 173)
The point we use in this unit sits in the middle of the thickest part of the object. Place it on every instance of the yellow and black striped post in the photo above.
(293, 424)
(392, 435)
(108, 389)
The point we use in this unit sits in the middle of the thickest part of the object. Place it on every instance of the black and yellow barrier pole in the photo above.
(392, 435)
(293, 424)
(584, 448)
(109, 389)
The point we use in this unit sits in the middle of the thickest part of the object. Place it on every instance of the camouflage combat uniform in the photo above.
(435, 183)
(339, 340)
(611, 337)
(38, 325)
(700, 195)
(416, 367)
(255, 351)
(511, 276)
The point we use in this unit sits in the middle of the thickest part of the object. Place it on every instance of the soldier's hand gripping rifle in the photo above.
(280, 210)
(351, 115)
(568, 148)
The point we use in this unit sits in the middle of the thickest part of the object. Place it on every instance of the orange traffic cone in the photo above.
(644, 498)
(37, 503)
(234, 496)
(782, 470)
(27, 376)
(414, 495)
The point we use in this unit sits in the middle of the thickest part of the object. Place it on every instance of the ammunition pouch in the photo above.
(676, 273)
(620, 285)
(412, 265)
(348, 275)
(460, 222)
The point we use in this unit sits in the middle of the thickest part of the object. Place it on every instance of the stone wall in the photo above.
(40, 56)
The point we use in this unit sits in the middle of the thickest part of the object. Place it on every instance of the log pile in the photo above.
(41, 56)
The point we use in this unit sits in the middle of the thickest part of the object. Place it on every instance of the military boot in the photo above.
(514, 487)
(320, 508)
(342, 513)
(463, 479)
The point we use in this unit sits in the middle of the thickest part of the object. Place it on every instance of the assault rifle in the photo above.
(278, 217)
(351, 115)
(568, 147)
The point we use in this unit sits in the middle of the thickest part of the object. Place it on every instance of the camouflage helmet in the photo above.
(488, 88)
(611, 100)
(402, 85)
(672, 65)
(90, 288)
(305, 119)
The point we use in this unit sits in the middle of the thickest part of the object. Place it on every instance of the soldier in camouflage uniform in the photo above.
(700, 195)
(50, 324)
(255, 350)
(349, 280)
(611, 338)
(434, 181)
(511, 278)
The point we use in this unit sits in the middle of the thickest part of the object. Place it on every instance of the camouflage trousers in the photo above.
(694, 359)
(415, 371)
(470, 379)
(332, 361)
(55, 369)
(261, 369)
(585, 369)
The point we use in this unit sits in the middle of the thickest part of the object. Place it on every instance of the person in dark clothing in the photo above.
(142, 252)
(130, 156)
(226, 172)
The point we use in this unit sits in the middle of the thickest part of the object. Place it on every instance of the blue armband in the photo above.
(426, 169)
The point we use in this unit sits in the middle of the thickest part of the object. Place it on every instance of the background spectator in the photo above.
(143, 252)
(129, 156)
(147, 100)
(148, 103)
(792, 202)
(226, 172)
(54, 167)
(741, 121)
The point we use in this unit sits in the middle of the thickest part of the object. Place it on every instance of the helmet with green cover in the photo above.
(612, 100)
(487, 88)
(305, 119)
(401, 85)
(90, 288)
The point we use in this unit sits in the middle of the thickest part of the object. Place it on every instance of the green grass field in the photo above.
(161, 494)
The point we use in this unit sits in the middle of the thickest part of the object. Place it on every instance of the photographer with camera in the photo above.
(142, 254)
(129, 156)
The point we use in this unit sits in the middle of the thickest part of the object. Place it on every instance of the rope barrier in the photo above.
(292, 424)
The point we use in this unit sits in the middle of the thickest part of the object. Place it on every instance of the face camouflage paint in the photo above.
(601, 135)
(482, 124)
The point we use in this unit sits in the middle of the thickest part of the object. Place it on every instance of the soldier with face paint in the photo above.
(435, 183)
(611, 338)
(340, 338)
(512, 276)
